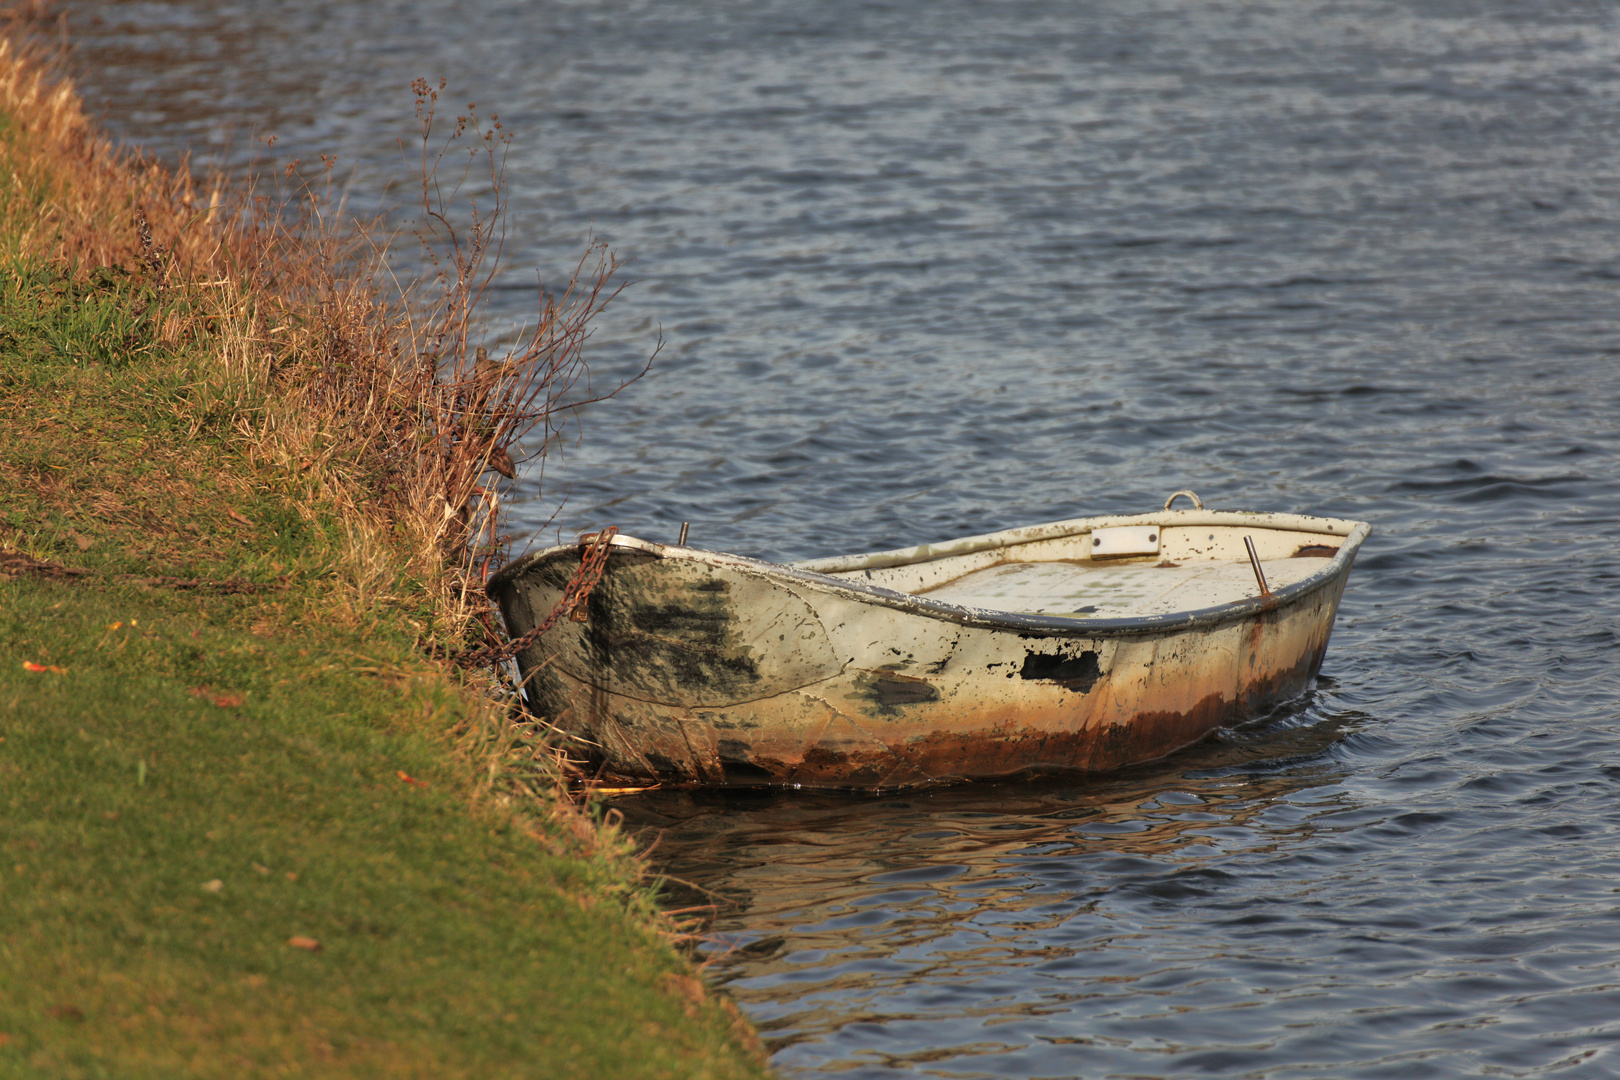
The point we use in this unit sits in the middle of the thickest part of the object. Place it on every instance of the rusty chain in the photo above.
(575, 594)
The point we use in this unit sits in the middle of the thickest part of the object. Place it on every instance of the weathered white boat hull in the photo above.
(704, 667)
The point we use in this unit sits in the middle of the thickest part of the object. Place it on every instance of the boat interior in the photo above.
(1103, 572)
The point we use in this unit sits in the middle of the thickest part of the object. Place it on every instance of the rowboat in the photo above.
(1086, 644)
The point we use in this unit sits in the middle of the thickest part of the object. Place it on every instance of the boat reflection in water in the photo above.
(1011, 905)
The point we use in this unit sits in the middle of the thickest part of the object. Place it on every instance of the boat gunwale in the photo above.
(1352, 532)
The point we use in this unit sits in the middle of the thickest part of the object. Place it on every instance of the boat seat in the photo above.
(1087, 589)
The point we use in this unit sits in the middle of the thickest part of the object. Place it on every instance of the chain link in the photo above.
(575, 594)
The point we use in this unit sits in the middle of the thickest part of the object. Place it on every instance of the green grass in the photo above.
(210, 776)
(452, 944)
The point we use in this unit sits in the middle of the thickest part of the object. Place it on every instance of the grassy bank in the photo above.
(248, 827)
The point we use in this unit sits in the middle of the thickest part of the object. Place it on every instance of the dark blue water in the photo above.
(932, 269)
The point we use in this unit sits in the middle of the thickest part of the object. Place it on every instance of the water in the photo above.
(926, 270)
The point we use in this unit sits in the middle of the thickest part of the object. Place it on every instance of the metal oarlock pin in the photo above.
(1254, 561)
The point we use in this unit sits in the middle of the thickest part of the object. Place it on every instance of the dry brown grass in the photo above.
(379, 399)
(294, 381)
(355, 402)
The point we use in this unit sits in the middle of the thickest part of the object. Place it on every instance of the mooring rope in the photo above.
(578, 590)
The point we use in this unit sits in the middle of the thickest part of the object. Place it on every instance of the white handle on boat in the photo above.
(1198, 504)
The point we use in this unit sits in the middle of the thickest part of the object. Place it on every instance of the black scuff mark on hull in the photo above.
(889, 692)
(1077, 673)
(683, 621)
(738, 767)
(681, 638)
(667, 766)
(893, 691)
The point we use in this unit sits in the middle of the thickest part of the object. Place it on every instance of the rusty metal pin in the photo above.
(1254, 561)
(682, 541)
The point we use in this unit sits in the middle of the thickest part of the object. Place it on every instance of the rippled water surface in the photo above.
(932, 269)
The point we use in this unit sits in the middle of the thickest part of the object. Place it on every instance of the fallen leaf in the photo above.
(224, 701)
(238, 518)
(299, 942)
(84, 543)
(29, 665)
(413, 781)
(501, 462)
(115, 626)
(213, 886)
(257, 869)
(292, 875)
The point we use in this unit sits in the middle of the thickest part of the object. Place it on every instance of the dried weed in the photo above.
(379, 400)
(378, 407)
